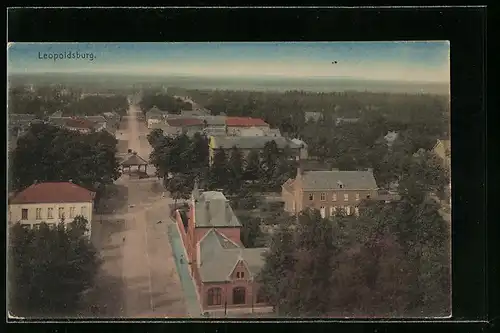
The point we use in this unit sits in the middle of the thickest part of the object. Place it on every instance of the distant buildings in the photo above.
(50, 202)
(223, 269)
(328, 191)
(235, 124)
(246, 144)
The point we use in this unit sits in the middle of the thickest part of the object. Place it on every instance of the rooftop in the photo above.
(80, 123)
(245, 122)
(133, 160)
(184, 122)
(53, 192)
(219, 256)
(251, 142)
(212, 209)
(323, 180)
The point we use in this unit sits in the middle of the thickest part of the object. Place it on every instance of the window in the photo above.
(332, 210)
(38, 213)
(240, 275)
(346, 197)
(357, 196)
(50, 213)
(24, 214)
(293, 206)
(323, 197)
(36, 226)
(71, 212)
(239, 295)
(61, 212)
(214, 296)
(322, 211)
(368, 196)
(334, 197)
(348, 210)
(83, 211)
(311, 197)
(261, 296)
(340, 185)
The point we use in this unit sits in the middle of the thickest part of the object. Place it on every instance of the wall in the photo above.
(317, 203)
(15, 212)
(251, 289)
(232, 233)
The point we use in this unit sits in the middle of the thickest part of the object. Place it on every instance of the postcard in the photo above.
(229, 180)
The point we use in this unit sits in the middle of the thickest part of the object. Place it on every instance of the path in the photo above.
(138, 259)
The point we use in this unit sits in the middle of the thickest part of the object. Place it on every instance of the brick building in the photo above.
(223, 269)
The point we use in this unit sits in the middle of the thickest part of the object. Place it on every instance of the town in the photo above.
(191, 211)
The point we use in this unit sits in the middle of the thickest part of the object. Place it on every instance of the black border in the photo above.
(465, 28)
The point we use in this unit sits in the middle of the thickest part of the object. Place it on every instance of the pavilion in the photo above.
(134, 160)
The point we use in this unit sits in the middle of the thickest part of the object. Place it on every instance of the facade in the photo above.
(442, 148)
(223, 269)
(246, 144)
(328, 191)
(51, 202)
(235, 124)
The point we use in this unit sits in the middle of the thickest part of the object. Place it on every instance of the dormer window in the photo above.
(240, 275)
(340, 185)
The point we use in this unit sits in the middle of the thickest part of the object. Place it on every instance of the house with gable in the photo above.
(328, 191)
(223, 270)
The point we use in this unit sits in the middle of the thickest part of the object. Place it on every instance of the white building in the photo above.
(50, 203)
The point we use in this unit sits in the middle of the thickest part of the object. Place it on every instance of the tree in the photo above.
(235, 171)
(155, 136)
(252, 169)
(49, 268)
(63, 155)
(250, 231)
(180, 187)
(270, 156)
(218, 174)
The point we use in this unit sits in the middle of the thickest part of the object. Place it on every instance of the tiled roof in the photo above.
(182, 122)
(212, 209)
(251, 142)
(219, 256)
(245, 122)
(53, 192)
(80, 123)
(325, 180)
(133, 159)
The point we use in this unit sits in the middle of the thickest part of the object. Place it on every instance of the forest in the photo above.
(163, 102)
(45, 100)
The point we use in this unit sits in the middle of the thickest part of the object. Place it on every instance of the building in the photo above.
(246, 144)
(442, 149)
(304, 148)
(256, 131)
(154, 116)
(341, 121)
(313, 116)
(82, 125)
(50, 202)
(328, 191)
(234, 124)
(223, 269)
(390, 138)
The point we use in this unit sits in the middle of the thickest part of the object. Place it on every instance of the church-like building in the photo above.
(223, 269)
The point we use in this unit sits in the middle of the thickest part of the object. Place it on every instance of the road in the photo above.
(139, 276)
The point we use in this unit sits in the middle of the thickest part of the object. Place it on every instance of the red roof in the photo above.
(182, 122)
(80, 123)
(53, 193)
(245, 122)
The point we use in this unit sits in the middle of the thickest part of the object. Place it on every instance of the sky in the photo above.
(393, 61)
